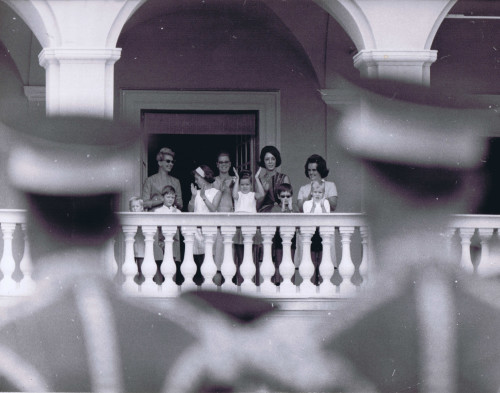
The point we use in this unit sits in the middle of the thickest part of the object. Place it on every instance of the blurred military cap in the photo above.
(413, 125)
(69, 156)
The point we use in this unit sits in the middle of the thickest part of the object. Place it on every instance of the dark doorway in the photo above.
(197, 137)
(190, 152)
(491, 200)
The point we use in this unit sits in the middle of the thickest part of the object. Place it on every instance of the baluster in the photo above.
(109, 259)
(129, 268)
(247, 267)
(466, 260)
(267, 268)
(306, 267)
(287, 267)
(364, 268)
(167, 267)
(149, 267)
(188, 266)
(346, 267)
(327, 265)
(448, 236)
(486, 266)
(209, 267)
(228, 268)
(27, 285)
(8, 264)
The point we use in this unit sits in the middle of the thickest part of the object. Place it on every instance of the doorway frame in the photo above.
(266, 103)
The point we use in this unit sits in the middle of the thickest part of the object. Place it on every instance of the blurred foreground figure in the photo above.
(77, 333)
(426, 326)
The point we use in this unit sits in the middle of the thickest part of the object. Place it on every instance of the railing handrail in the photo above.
(474, 221)
(247, 219)
(13, 216)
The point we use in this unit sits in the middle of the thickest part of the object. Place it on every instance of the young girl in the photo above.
(204, 199)
(318, 203)
(245, 201)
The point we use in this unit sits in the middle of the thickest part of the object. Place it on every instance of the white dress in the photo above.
(201, 207)
(245, 203)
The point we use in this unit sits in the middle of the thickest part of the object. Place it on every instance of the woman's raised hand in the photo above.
(202, 191)
(258, 173)
(193, 189)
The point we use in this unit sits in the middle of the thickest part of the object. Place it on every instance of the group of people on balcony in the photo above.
(222, 193)
(271, 191)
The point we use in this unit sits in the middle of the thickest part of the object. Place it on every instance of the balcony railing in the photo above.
(345, 268)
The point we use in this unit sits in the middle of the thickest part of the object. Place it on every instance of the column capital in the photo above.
(411, 66)
(107, 56)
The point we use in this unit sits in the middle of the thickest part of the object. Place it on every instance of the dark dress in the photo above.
(270, 198)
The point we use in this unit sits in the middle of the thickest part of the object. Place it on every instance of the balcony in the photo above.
(346, 263)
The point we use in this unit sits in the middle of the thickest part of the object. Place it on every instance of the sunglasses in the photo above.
(224, 162)
(169, 161)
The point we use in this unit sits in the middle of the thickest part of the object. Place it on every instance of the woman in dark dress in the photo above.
(270, 160)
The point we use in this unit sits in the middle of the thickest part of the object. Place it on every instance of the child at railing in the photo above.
(284, 194)
(169, 197)
(135, 204)
(204, 199)
(245, 201)
(317, 205)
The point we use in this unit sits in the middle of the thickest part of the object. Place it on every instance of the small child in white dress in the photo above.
(318, 204)
(245, 201)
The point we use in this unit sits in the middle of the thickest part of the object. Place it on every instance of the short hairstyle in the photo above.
(209, 174)
(133, 199)
(223, 153)
(284, 187)
(321, 165)
(245, 174)
(318, 183)
(168, 190)
(164, 151)
(269, 149)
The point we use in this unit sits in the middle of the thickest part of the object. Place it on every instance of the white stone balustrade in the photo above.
(472, 241)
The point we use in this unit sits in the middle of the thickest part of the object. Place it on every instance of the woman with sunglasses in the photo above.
(153, 186)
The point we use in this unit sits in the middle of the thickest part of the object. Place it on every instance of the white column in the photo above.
(306, 267)
(287, 267)
(167, 267)
(7, 286)
(79, 50)
(129, 268)
(27, 284)
(411, 66)
(148, 268)
(393, 38)
(228, 268)
(267, 268)
(346, 267)
(188, 266)
(465, 237)
(327, 266)
(247, 267)
(79, 80)
(364, 268)
(209, 267)
(486, 265)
